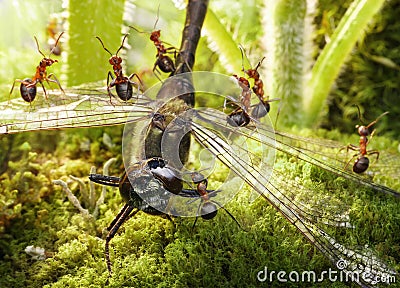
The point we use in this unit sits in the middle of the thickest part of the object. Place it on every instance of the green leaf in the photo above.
(221, 41)
(87, 61)
(329, 63)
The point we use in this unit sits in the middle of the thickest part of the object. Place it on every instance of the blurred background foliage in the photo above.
(369, 77)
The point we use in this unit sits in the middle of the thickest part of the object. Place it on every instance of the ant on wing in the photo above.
(163, 61)
(28, 85)
(123, 84)
(362, 162)
(240, 116)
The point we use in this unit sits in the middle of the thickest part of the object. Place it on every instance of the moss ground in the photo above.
(150, 251)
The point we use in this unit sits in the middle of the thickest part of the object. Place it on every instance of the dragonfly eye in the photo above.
(208, 211)
(361, 165)
(156, 162)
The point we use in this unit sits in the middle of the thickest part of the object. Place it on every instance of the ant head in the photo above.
(243, 82)
(115, 60)
(208, 210)
(362, 130)
(46, 62)
(155, 35)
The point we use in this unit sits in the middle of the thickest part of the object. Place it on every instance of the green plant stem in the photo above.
(87, 61)
(330, 61)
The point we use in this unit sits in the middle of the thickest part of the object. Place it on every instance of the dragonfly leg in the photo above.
(124, 215)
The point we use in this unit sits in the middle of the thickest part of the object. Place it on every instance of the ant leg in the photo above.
(170, 219)
(12, 88)
(155, 70)
(351, 147)
(137, 76)
(44, 90)
(110, 85)
(347, 164)
(227, 212)
(55, 81)
(232, 101)
(371, 152)
(197, 216)
(139, 87)
(186, 63)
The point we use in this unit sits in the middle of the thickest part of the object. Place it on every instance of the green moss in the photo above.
(151, 251)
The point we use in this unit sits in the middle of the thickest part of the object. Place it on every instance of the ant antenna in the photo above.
(37, 44)
(229, 213)
(373, 122)
(359, 115)
(123, 40)
(259, 63)
(158, 17)
(379, 117)
(242, 52)
(55, 45)
(102, 44)
(134, 28)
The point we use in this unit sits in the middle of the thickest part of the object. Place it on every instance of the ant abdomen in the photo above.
(28, 94)
(165, 64)
(124, 91)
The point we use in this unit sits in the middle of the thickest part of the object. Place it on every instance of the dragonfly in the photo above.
(157, 183)
(209, 127)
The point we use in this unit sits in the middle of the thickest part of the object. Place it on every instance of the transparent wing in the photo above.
(76, 108)
(336, 154)
(324, 156)
(310, 222)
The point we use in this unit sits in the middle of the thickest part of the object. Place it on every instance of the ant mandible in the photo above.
(362, 162)
(123, 84)
(28, 85)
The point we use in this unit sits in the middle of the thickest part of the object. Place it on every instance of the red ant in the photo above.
(28, 85)
(123, 84)
(263, 107)
(163, 62)
(362, 162)
(241, 117)
(208, 207)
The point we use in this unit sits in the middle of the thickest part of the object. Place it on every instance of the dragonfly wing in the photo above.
(75, 109)
(357, 260)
